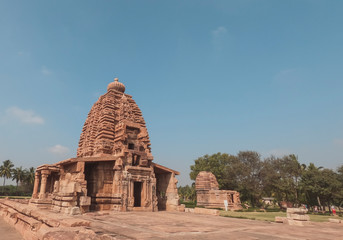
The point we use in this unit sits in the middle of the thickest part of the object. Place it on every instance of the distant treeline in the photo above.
(24, 179)
(282, 178)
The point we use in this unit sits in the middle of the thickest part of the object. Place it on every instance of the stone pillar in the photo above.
(36, 185)
(43, 185)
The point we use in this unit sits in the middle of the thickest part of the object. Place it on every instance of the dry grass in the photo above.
(270, 216)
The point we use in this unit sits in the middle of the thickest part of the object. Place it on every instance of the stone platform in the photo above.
(153, 225)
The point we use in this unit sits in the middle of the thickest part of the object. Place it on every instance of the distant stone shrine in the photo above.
(113, 169)
(209, 195)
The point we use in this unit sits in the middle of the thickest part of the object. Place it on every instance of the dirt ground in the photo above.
(167, 225)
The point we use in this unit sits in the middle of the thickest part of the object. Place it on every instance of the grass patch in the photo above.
(262, 216)
(16, 197)
(270, 216)
(189, 204)
(322, 218)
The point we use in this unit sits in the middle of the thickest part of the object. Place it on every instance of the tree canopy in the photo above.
(283, 178)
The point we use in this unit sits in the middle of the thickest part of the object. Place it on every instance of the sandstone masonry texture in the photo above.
(209, 195)
(113, 169)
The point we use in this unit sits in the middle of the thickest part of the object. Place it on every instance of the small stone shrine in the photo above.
(113, 169)
(209, 195)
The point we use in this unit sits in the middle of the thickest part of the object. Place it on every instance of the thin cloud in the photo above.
(288, 76)
(46, 71)
(338, 142)
(24, 116)
(219, 32)
(59, 150)
(219, 37)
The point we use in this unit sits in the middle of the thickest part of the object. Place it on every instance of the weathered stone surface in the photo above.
(297, 223)
(164, 225)
(334, 220)
(189, 210)
(296, 217)
(113, 169)
(299, 217)
(297, 210)
(206, 211)
(209, 195)
(280, 219)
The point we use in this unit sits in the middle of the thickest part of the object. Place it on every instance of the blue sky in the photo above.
(209, 76)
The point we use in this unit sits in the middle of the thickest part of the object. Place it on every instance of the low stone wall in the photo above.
(36, 224)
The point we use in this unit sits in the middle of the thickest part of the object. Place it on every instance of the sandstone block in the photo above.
(334, 220)
(299, 217)
(280, 219)
(85, 201)
(189, 210)
(181, 208)
(297, 210)
(298, 223)
(75, 211)
(206, 211)
(68, 204)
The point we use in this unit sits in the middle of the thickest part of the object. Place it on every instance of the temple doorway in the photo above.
(137, 187)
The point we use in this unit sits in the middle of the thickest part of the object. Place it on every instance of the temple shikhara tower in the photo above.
(114, 167)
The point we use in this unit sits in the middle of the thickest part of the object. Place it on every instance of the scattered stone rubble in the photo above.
(33, 223)
(209, 195)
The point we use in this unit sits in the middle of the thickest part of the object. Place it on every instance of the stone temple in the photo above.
(209, 195)
(113, 169)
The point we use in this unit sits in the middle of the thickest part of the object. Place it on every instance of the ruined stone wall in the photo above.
(209, 195)
(167, 195)
(70, 191)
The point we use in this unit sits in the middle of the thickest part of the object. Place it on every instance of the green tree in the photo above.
(217, 163)
(30, 176)
(249, 177)
(339, 195)
(18, 174)
(187, 193)
(321, 186)
(6, 170)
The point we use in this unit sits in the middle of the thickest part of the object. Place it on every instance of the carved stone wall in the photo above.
(113, 169)
(105, 125)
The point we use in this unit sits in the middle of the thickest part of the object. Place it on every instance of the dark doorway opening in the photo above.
(137, 193)
(99, 177)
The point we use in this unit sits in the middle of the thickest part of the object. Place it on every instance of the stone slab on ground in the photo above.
(206, 211)
(8, 232)
(160, 225)
(334, 220)
(280, 219)
(168, 225)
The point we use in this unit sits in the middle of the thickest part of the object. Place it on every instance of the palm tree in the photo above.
(30, 176)
(6, 170)
(18, 174)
